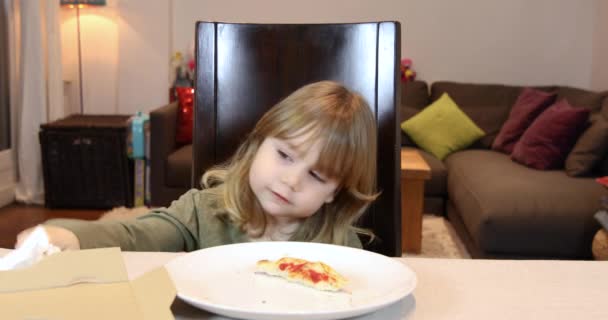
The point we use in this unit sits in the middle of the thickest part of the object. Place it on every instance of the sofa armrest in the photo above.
(163, 125)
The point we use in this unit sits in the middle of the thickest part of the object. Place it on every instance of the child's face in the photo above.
(285, 181)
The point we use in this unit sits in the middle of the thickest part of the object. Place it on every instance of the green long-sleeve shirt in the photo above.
(188, 224)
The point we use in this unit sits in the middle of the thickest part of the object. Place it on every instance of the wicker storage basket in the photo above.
(85, 163)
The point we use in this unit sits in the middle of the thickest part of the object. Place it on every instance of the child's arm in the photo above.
(146, 233)
(168, 229)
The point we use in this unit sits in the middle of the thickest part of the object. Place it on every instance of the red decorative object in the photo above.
(603, 181)
(185, 96)
(407, 73)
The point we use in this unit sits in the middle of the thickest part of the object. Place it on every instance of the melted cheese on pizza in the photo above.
(316, 274)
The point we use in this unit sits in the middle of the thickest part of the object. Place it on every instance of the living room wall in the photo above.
(513, 42)
(599, 76)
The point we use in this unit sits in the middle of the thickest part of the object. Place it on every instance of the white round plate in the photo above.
(222, 280)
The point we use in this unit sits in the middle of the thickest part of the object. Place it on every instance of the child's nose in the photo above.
(292, 179)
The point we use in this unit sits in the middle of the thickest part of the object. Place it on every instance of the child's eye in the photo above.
(317, 177)
(282, 154)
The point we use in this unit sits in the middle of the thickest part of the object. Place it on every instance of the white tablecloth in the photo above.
(467, 289)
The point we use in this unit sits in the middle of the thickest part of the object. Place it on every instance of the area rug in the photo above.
(439, 240)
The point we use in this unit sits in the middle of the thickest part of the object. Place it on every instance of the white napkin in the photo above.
(35, 247)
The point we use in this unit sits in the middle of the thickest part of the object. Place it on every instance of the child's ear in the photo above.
(331, 197)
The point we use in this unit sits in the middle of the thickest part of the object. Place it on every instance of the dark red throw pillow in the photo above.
(527, 107)
(185, 96)
(551, 136)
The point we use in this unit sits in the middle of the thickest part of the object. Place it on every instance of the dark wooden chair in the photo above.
(244, 69)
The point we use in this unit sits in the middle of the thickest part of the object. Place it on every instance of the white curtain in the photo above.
(36, 87)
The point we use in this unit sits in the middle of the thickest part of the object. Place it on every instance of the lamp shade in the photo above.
(84, 2)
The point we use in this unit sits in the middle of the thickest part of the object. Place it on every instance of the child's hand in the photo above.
(59, 237)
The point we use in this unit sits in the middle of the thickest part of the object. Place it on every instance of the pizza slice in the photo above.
(316, 274)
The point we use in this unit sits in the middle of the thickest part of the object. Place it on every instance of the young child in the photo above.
(305, 173)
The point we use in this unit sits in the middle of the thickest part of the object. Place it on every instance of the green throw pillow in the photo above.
(442, 128)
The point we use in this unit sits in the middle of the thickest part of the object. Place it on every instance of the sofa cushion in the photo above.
(414, 94)
(488, 105)
(592, 145)
(435, 186)
(530, 103)
(442, 128)
(583, 98)
(179, 167)
(508, 208)
(549, 139)
(590, 149)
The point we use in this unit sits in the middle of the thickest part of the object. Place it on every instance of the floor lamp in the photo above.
(80, 4)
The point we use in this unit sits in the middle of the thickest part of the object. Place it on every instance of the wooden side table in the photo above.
(414, 172)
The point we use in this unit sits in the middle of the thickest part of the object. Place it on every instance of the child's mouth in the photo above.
(280, 197)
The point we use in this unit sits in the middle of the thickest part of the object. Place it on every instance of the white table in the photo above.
(467, 289)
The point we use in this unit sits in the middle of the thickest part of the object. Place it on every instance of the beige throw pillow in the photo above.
(590, 149)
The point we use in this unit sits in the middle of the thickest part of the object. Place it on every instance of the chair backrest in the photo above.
(244, 69)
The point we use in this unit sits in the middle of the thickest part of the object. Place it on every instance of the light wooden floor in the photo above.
(17, 217)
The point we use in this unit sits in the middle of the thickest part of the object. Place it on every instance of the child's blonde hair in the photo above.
(343, 120)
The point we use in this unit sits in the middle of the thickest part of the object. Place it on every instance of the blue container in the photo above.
(138, 135)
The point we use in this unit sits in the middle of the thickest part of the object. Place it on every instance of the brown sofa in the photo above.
(502, 209)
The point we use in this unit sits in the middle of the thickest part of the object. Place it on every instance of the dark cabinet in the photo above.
(85, 162)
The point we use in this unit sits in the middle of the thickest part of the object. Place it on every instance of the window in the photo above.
(5, 119)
